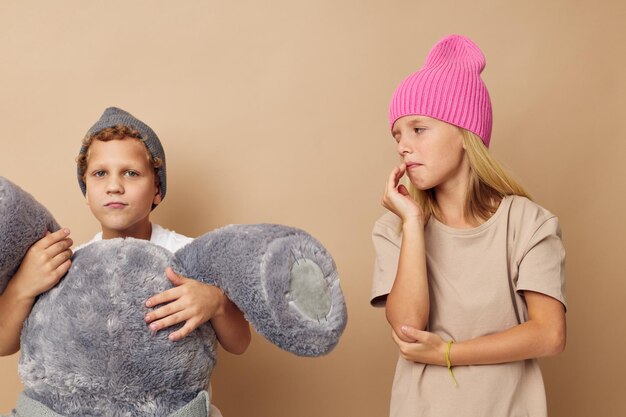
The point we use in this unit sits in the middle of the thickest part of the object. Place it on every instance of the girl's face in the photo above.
(433, 151)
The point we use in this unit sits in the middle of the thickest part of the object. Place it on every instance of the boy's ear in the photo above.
(157, 197)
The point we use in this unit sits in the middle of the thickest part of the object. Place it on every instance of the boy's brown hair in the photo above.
(117, 132)
(116, 123)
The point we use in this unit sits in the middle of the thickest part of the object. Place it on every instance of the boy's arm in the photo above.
(195, 303)
(43, 266)
(14, 309)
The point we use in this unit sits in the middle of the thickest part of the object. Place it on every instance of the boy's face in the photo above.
(121, 187)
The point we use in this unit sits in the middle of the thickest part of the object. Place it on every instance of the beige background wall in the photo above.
(276, 112)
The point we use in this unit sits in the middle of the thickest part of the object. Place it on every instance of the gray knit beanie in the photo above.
(113, 117)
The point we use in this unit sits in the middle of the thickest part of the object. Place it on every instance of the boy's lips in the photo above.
(115, 204)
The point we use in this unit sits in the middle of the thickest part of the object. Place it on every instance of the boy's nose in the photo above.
(114, 185)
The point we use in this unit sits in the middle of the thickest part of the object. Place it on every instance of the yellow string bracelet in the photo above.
(456, 384)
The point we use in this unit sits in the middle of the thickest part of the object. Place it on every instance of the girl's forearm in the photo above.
(544, 334)
(408, 302)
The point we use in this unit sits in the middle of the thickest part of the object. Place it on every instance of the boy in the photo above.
(121, 171)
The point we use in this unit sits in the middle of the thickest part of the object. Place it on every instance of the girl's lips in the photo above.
(413, 165)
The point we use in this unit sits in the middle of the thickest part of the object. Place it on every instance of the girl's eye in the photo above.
(99, 174)
(419, 130)
(132, 173)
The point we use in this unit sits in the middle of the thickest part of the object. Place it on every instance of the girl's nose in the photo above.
(402, 147)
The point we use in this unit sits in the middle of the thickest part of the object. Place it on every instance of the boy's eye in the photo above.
(99, 174)
(132, 173)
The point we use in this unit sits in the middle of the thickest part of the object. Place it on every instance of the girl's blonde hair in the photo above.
(488, 184)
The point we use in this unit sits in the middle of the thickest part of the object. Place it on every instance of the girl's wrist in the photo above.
(412, 222)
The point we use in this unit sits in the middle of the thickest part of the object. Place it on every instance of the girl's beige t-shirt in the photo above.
(473, 276)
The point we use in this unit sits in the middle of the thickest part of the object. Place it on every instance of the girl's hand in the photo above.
(396, 197)
(43, 266)
(427, 348)
(191, 301)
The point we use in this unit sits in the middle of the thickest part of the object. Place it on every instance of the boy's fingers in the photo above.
(59, 247)
(168, 321)
(52, 238)
(65, 266)
(62, 270)
(163, 297)
(174, 277)
(61, 258)
(183, 332)
(167, 310)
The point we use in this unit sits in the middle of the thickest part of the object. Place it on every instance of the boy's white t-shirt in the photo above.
(171, 241)
(161, 236)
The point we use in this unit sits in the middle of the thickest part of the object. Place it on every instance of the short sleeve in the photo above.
(386, 238)
(542, 266)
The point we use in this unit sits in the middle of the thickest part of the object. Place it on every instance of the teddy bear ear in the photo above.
(23, 221)
(284, 281)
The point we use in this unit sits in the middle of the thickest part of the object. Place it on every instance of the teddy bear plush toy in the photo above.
(85, 349)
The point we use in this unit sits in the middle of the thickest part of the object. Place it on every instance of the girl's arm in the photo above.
(544, 334)
(408, 301)
(43, 266)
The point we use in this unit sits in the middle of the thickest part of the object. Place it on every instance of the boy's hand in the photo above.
(45, 263)
(191, 301)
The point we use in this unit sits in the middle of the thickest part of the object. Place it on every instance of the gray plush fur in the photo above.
(110, 361)
(22, 221)
(86, 350)
(258, 260)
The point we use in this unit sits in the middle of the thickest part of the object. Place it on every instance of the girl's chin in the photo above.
(420, 184)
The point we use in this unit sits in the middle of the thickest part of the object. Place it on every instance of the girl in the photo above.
(468, 268)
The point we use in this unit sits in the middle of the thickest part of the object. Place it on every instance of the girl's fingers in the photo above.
(413, 332)
(394, 178)
(391, 179)
(402, 190)
(400, 173)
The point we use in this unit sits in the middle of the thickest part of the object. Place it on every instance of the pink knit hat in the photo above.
(448, 87)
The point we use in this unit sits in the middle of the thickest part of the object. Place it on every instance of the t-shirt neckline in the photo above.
(506, 200)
